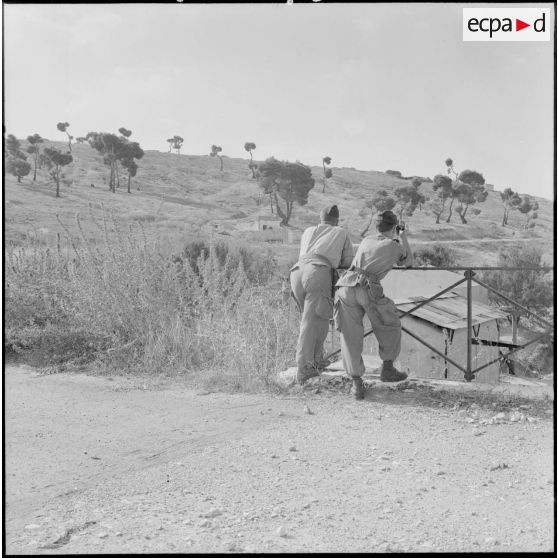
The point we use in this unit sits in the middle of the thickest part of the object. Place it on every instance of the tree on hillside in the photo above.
(15, 160)
(290, 182)
(416, 182)
(451, 170)
(408, 199)
(81, 139)
(125, 137)
(132, 167)
(511, 201)
(109, 147)
(130, 151)
(34, 150)
(435, 206)
(215, 150)
(12, 147)
(382, 201)
(63, 127)
(17, 167)
(442, 186)
(175, 143)
(469, 191)
(55, 160)
(467, 188)
(125, 133)
(328, 173)
(529, 207)
(449, 165)
(250, 146)
(115, 149)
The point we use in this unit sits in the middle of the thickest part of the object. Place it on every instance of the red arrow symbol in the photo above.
(519, 25)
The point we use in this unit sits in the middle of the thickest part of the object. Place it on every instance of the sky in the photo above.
(375, 86)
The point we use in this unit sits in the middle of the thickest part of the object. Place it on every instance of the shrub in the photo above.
(259, 268)
(437, 255)
(537, 359)
(531, 288)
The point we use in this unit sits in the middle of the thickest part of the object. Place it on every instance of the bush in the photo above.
(537, 359)
(437, 255)
(531, 288)
(259, 268)
(125, 304)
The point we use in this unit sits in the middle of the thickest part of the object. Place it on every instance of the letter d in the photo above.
(541, 19)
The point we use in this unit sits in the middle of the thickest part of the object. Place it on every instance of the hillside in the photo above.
(186, 196)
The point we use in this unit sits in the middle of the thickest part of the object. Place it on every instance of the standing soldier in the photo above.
(360, 292)
(323, 248)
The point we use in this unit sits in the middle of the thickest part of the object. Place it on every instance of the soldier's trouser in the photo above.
(351, 304)
(311, 288)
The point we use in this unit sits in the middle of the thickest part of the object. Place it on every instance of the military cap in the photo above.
(387, 218)
(329, 213)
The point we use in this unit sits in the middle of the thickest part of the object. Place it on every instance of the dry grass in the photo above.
(126, 304)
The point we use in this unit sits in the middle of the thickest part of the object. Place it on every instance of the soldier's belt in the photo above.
(370, 277)
(313, 258)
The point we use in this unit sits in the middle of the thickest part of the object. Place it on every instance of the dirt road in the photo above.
(97, 465)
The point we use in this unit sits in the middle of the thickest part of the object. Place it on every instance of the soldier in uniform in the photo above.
(360, 292)
(323, 248)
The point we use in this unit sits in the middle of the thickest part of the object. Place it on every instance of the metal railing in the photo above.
(469, 278)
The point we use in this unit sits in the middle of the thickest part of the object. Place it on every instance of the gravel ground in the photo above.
(107, 465)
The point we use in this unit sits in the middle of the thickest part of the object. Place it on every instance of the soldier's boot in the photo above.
(322, 364)
(358, 387)
(306, 373)
(390, 374)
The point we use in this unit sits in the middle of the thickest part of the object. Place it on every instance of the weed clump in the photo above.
(436, 255)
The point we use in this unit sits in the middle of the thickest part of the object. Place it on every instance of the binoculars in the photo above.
(400, 228)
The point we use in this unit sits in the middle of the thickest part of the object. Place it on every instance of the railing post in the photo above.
(469, 374)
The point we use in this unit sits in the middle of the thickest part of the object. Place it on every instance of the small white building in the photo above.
(442, 323)
(268, 228)
(259, 223)
(267, 222)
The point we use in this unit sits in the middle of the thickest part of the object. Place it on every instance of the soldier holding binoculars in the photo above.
(360, 292)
